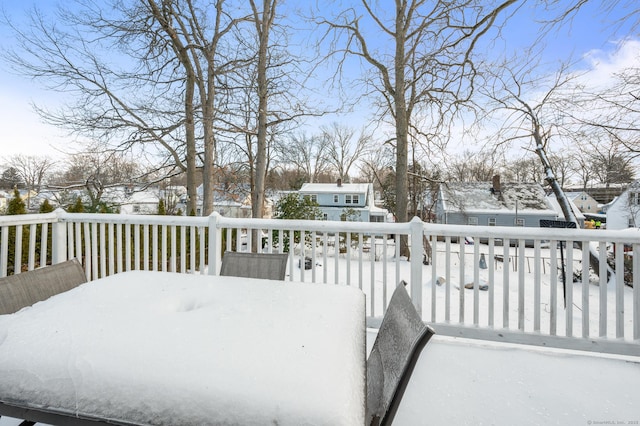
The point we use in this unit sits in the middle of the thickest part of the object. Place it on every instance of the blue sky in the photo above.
(23, 131)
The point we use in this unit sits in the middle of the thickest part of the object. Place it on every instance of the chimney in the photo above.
(339, 182)
(496, 184)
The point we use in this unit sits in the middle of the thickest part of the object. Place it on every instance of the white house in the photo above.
(624, 211)
(335, 199)
(143, 202)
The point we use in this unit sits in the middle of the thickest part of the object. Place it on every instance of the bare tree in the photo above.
(33, 171)
(419, 56)
(140, 77)
(306, 153)
(94, 171)
(344, 147)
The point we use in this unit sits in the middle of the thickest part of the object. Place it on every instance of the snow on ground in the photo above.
(450, 293)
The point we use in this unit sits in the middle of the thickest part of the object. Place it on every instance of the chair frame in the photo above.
(27, 288)
(399, 301)
(273, 265)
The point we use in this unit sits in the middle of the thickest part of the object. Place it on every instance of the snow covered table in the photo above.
(162, 348)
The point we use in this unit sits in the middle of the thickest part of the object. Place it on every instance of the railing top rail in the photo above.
(28, 219)
(628, 236)
(134, 219)
(315, 225)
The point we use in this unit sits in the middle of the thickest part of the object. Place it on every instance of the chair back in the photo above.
(401, 338)
(24, 289)
(270, 266)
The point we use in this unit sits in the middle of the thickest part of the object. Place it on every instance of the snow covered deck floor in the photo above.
(471, 382)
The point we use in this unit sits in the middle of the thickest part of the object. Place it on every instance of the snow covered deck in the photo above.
(470, 382)
(159, 348)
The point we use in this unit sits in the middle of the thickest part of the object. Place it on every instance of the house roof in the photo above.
(478, 196)
(345, 188)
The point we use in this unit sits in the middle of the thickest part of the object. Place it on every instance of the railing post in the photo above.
(58, 238)
(416, 229)
(215, 243)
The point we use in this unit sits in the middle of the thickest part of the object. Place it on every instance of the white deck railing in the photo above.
(492, 289)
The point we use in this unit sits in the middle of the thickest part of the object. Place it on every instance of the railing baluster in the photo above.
(31, 254)
(111, 236)
(165, 238)
(568, 285)
(145, 247)
(174, 251)
(447, 269)
(506, 264)
(553, 299)
(619, 261)
(44, 241)
(585, 289)
(461, 280)
(17, 259)
(94, 250)
(521, 292)
(119, 247)
(476, 282)
(537, 278)
(603, 288)
(4, 250)
(492, 293)
(103, 250)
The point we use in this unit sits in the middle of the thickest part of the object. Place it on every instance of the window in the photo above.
(472, 221)
(351, 199)
(325, 216)
(312, 197)
(519, 222)
(634, 198)
(136, 208)
(492, 221)
(336, 198)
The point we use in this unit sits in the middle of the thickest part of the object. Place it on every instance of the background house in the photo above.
(585, 202)
(335, 199)
(494, 204)
(624, 211)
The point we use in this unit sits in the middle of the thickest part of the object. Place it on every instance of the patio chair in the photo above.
(270, 266)
(24, 289)
(401, 338)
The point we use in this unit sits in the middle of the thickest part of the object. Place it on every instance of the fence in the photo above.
(508, 285)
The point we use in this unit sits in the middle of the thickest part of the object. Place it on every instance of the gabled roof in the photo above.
(333, 188)
(479, 196)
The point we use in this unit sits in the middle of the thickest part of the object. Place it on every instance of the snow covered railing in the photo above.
(506, 286)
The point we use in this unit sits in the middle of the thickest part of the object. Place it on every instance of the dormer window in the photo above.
(336, 198)
(351, 199)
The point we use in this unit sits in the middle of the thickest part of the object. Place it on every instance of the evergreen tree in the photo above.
(161, 208)
(46, 207)
(76, 207)
(16, 205)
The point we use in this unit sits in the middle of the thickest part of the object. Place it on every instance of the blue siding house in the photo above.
(335, 199)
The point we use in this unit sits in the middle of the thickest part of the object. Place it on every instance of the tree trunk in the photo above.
(402, 125)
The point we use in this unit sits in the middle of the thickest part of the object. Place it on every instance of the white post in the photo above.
(417, 228)
(215, 244)
(58, 238)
